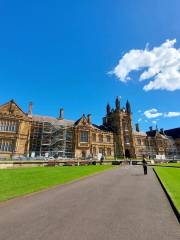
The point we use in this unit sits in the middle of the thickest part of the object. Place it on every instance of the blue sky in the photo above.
(58, 54)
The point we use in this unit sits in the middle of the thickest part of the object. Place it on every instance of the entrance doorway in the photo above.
(127, 153)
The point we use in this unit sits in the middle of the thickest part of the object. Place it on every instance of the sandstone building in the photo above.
(34, 135)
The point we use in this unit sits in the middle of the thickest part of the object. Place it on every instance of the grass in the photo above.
(170, 178)
(167, 164)
(22, 181)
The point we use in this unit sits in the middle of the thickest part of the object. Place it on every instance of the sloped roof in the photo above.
(39, 118)
(151, 133)
(139, 133)
(174, 133)
(18, 110)
(103, 128)
(80, 119)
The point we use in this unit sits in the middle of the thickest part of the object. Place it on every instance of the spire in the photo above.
(128, 107)
(117, 103)
(108, 109)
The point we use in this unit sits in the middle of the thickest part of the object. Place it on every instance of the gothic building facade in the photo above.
(25, 134)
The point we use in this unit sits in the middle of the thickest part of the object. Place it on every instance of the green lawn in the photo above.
(21, 181)
(169, 164)
(170, 178)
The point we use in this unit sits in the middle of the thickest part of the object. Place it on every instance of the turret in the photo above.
(117, 104)
(108, 109)
(128, 107)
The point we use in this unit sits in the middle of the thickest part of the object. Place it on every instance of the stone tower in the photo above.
(120, 121)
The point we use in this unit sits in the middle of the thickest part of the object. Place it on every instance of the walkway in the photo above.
(119, 204)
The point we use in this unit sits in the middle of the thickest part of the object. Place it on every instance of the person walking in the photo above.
(144, 165)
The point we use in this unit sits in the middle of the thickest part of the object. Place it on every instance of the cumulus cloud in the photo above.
(160, 65)
(152, 113)
(172, 114)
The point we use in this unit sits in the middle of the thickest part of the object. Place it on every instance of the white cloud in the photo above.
(161, 66)
(154, 122)
(172, 114)
(140, 119)
(152, 113)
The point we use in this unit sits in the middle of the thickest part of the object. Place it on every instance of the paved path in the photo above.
(119, 204)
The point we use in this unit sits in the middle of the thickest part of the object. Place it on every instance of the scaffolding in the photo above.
(52, 139)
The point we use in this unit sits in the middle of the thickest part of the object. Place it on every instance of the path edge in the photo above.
(175, 210)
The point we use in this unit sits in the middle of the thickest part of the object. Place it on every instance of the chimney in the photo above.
(61, 113)
(137, 127)
(89, 118)
(30, 109)
(151, 128)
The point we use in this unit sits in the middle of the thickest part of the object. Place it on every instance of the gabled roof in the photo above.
(16, 110)
(81, 119)
(174, 133)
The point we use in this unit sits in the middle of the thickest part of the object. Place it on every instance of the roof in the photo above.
(174, 133)
(139, 133)
(39, 118)
(103, 128)
(78, 121)
(154, 132)
(13, 102)
(151, 133)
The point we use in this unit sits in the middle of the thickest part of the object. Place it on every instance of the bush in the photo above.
(116, 162)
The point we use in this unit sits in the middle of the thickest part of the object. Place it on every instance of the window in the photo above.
(126, 140)
(84, 136)
(101, 150)
(94, 151)
(5, 146)
(94, 137)
(139, 141)
(8, 126)
(100, 138)
(108, 138)
(126, 127)
(109, 151)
